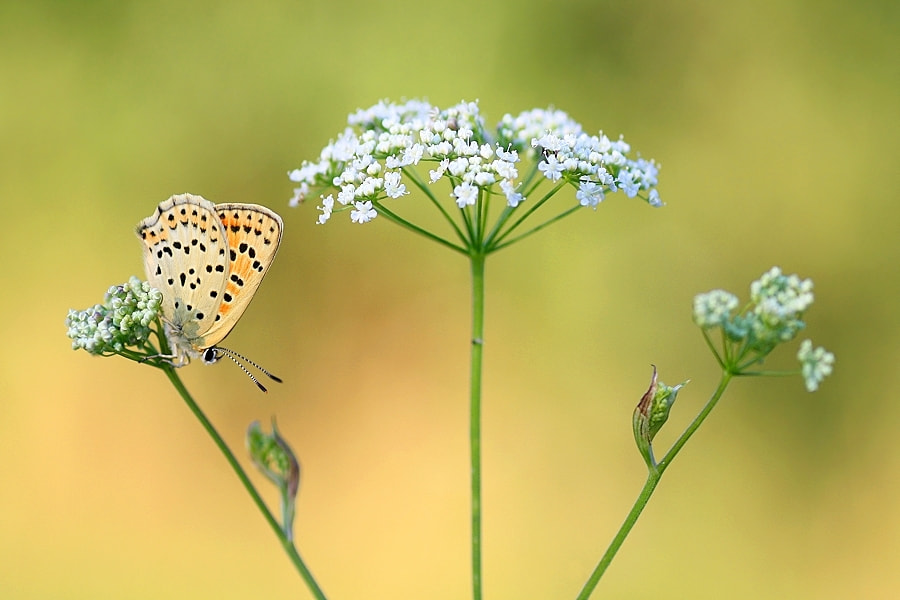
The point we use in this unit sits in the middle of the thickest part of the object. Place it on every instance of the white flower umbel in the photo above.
(390, 148)
(773, 316)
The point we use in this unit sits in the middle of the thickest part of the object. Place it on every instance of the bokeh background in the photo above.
(776, 123)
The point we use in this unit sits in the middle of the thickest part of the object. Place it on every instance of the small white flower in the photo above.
(392, 186)
(465, 194)
(653, 198)
(627, 184)
(440, 149)
(484, 178)
(436, 174)
(505, 169)
(369, 187)
(551, 168)
(513, 198)
(458, 167)
(347, 194)
(413, 154)
(589, 193)
(509, 156)
(363, 212)
(326, 208)
(549, 142)
(344, 147)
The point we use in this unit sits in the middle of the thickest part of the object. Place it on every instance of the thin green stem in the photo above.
(639, 504)
(770, 373)
(482, 206)
(653, 477)
(499, 223)
(286, 543)
(477, 267)
(712, 348)
(535, 229)
(415, 228)
(427, 191)
(499, 238)
(695, 424)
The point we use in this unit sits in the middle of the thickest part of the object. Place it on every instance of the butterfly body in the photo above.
(208, 260)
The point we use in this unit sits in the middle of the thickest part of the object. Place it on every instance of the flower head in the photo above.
(773, 316)
(122, 321)
(374, 158)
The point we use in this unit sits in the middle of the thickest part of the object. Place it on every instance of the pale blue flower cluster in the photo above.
(122, 321)
(773, 316)
(370, 160)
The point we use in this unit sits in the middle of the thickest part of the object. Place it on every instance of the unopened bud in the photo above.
(651, 414)
(274, 458)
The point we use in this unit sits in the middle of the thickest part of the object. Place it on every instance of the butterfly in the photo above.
(207, 260)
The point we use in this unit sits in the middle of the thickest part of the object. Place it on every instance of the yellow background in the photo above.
(777, 127)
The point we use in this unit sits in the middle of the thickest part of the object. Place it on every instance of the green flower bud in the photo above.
(274, 458)
(651, 414)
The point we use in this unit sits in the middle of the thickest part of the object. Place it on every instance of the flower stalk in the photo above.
(284, 538)
(477, 352)
(387, 144)
(126, 324)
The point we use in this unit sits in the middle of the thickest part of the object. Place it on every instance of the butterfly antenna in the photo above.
(234, 356)
(248, 373)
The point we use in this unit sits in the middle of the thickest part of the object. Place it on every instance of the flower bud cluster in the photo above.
(123, 319)
(773, 316)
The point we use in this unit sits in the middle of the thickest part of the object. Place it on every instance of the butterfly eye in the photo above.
(210, 356)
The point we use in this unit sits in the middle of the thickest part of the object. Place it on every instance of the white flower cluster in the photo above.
(597, 163)
(774, 316)
(368, 160)
(123, 320)
(779, 302)
(713, 309)
(816, 364)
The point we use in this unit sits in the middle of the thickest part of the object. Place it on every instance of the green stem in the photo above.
(535, 229)
(494, 242)
(392, 216)
(639, 504)
(286, 543)
(653, 478)
(477, 265)
(427, 191)
(710, 404)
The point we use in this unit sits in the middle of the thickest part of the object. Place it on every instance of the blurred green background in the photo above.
(777, 127)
